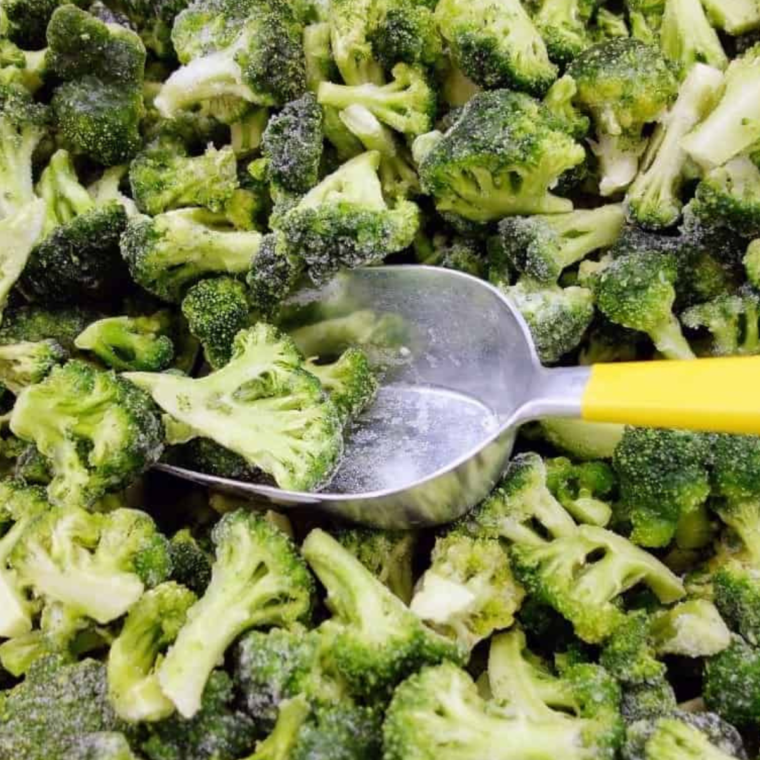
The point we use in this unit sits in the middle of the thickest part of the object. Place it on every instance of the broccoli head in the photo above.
(191, 564)
(690, 629)
(583, 489)
(623, 84)
(629, 655)
(257, 580)
(406, 32)
(36, 323)
(500, 157)
(27, 363)
(564, 26)
(732, 683)
(98, 431)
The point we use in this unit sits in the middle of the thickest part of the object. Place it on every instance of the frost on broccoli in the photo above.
(261, 405)
(732, 683)
(97, 431)
(257, 580)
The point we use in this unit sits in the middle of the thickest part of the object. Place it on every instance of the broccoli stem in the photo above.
(15, 614)
(619, 160)
(586, 231)
(669, 340)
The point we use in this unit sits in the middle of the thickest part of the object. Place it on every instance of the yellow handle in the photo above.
(720, 395)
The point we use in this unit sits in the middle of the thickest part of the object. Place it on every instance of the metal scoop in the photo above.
(459, 375)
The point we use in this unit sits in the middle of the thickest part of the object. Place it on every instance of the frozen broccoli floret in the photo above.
(580, 439)
(374, 638)
(234, 54)
(688, 38)
(406, 32)
(564, 26)
(623, 84)
(559, 100)
(151, 626)
(191, 563)
(292, 144)
(257, 580)
(468, 591)
(500, 157)
(496, 44)
(629, 654)
(450, 252)
(98, 565)
(97, 430)
(27, 363)
(663, 476)
(541, 247)
(733, 125)
(557, 317)
(733, 16)
(654, 199)
(164, 177)
(638, 291)
(751, 263)
(219, 730)
(521, 508)
(345, 221)
(733, 322)
(583, 574)
(349, 381)
(130, 343)
(36, 323)
(583, 489)
(27, 68)
(168, 253)
(216, 310)
(732, 683)
(262, 394)
(608, 25)
(690, 629)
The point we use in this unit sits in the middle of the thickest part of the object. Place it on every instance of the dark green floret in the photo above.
(37, 323)
(24, 364)
(64, 416)
(191, 563)
(732, 684)
(407, 32)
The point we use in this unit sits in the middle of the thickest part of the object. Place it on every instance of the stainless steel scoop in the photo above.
(459, 375)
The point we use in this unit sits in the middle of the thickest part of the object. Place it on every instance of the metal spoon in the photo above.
(460, 374)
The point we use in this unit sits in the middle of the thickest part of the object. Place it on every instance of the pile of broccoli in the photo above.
(172, 173)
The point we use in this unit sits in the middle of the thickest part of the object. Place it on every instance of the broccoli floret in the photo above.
(583, 489)
(406, 32)
(496, 44)
(638, 291)
(350, 24)
(468, 591)
(557, 317)
(262, 394)
(292, 144)
(439, 713)
(521, 508)
(151, 626)
(580, 439)
(98, 565)
(97, 431)
(205, 455)
(629, 654)
(164, 177)
(751, 263)
(234, 54)
(733, 322)
(345, 222)
(559, 102)
(623, 84)
(645, 19)
(583, 574)
(191, 564)
(218, 731)
(257, 579)
(374, 638)
(731, 685)
(733, 16)
(733, 125)
(663, 476)
(736, 589)
(653, 200)
(688, 38)
(27, 363)
(55, 709)
(690, 629)
(36, 323)
(499, 158)
(216, 310)
(451, 252)
(563, 25)
(542, 246)
(349, 381)
(169, 252)
(279, 665)
(608, 25)
(27, 68)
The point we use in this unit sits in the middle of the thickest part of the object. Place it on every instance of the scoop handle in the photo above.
(718, 395)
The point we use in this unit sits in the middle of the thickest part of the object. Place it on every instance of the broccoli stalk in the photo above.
(733, 16)
(60, 189)
(687, 37)
(257, 579)
(653, 200)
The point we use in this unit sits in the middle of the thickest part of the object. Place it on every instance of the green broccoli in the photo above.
(623, 84)
(130, 343)
(731, 685)
(736, 590)
(164, 177)
(663, 477)
(690, 629)
(637, 291)
(468, 591)
(345, 221)
(98, 565)
(216, 310)
(191, 564)
(405, 32)
(374, 638)
(27, 363)
(580, 439)
(557, 317)
(451, 252)
(645, 19)
(608, 25)
(97, 431)
(27, 68)
(688, 38)
(263, 393)
(630, 655)
(542, 246)
(151, 626)
(33, 324)
(583, 489)
(500, 157)
(564, 26)
(653, 200)
(496, 44)
(583, 574)
(168, 253)
(733, 125)
(257, 579)
(751, 263)
(733, 16)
